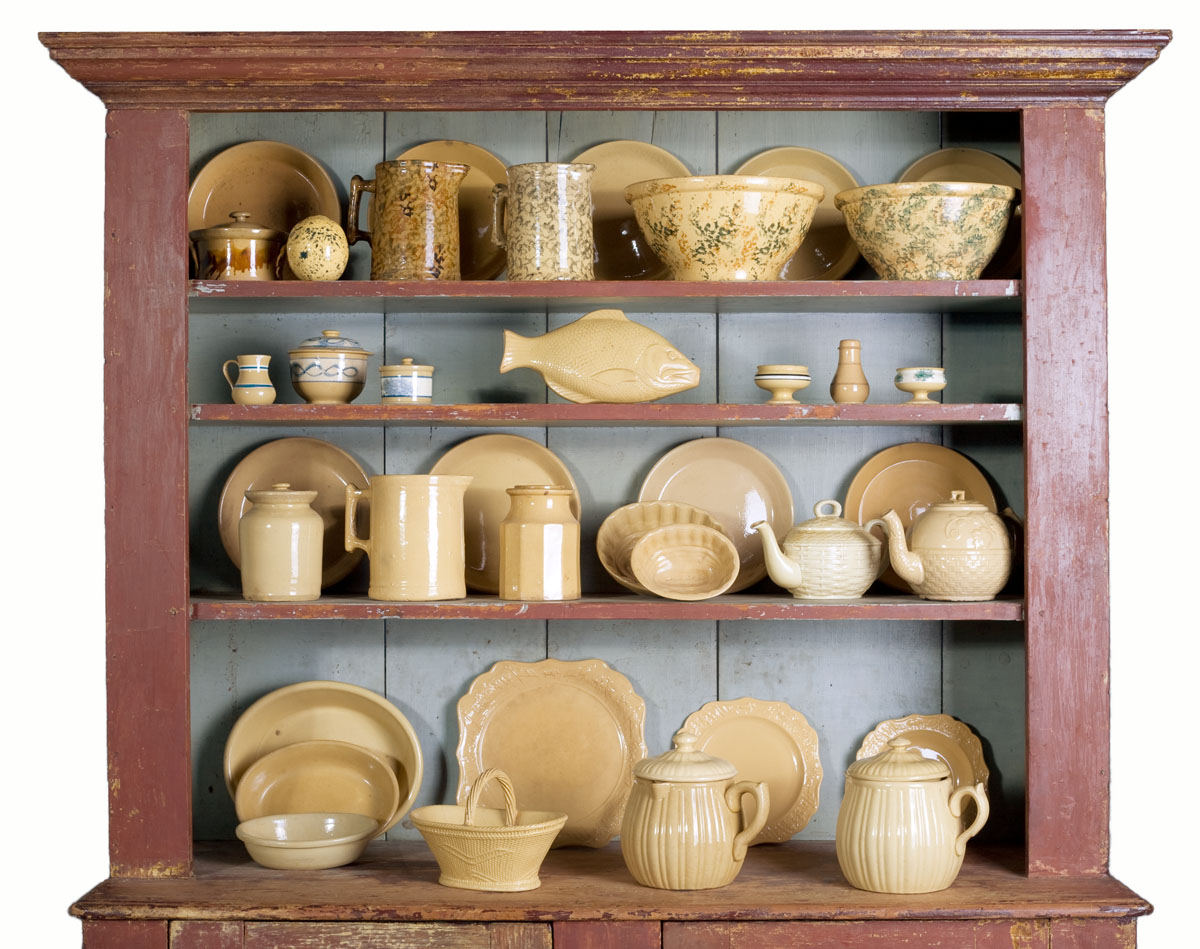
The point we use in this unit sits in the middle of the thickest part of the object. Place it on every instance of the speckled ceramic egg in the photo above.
(317, 249)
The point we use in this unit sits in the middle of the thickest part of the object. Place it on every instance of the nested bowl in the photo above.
(725, 227)
(685, 561)
(307, 841)
(927, 230)
(625, 526)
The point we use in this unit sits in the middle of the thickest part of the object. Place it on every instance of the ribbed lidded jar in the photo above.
(898, 828)
(684, 827)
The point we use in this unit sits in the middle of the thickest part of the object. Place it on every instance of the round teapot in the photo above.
(898, 829)
(960, 550)
(684, 827)
(826, 558)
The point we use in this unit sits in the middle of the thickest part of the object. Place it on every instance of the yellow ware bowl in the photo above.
(725, 227)
(486, 848)
(685, 562)
(625, 526)
(307, 841)
(927, 230)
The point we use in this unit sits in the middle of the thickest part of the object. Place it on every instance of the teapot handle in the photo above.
(733, 797)
(981, 813)
(884, 557)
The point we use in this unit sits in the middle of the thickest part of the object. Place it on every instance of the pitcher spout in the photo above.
(907, 564)
(781, 570)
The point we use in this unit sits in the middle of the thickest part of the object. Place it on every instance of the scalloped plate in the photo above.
(765, 741)
(568, 735)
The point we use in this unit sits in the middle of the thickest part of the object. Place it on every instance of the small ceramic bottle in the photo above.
(253, 385)
(849, 382)
(539, 544)
(281, 539)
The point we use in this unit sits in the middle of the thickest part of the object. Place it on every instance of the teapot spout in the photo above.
(907, 565)
(781, 570)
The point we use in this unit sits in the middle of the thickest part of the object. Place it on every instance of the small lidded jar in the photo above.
(329, 369)
(281, 538)
(406, 382)
(240, 250)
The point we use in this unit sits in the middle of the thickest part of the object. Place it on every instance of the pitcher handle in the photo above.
(225, 373)
(353, 495)
(358, 185)
(499, 204)
(733, 797)
(981, 813)
(884, 558)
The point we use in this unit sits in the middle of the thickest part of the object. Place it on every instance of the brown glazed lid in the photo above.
(241, 228)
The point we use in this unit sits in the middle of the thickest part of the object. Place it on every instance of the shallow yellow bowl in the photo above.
(307, 841)
(625, 526)
(685, 562)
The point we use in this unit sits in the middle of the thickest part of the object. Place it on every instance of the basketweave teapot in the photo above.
(960, 550)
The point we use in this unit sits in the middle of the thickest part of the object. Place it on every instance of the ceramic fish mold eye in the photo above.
(603, 357)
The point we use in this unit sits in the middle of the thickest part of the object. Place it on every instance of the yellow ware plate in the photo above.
(497, 463)
(622, 252)
(319, 776)
(735, 483)
(568, 735)
(828, 251)
(333, 711)
(765, 741)
(974, 164)
(307, 464)
(481, 258)
(909, 479)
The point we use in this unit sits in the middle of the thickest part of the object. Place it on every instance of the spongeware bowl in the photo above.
(685, 562)
(725, 227)
(625, 526)
(927, 230)
(307, 841)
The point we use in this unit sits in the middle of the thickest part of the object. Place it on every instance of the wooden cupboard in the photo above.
(1028, 671)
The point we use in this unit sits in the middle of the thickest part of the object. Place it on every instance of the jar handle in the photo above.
(353, 494)
(733, 797)
(499, 205)
(981, 813)
(510, 796)
(358, 185)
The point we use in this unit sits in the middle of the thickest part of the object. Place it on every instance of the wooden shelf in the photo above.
(775, 296)
(554, 414)
(593, 607)
(397, 880)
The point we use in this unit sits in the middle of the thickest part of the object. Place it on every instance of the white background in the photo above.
(53, 781)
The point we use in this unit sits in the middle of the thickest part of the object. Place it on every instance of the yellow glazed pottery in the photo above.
(782, 381)
(603, 357)
(960, 550)
(237, 250)
(625, 526)
(405, 383)
(927, 230)
(685, 561)
(281, 539)
(539, 544)
(684, 827)
(898, 829)
(329, 369)
(317, 249)
(725, 227)
(415, 543)
(307, 841)
(486, 848)
(252, 385)
(826, 558)
(919, 381)
(849, 381)
(543, 218)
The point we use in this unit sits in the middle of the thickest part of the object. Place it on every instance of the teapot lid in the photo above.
(958, 502)
(902, 761)
(239, 226)
(684, 763)
(825, 526)
(332, 341)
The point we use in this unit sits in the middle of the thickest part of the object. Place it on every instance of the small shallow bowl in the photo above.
(782, 381)
(927, 230)
(919, 381)
(307, 841)
(725, 227)
(625, 526)
(685, 562)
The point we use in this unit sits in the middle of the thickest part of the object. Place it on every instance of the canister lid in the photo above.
(541, 489)
(330, 341)
(405, 367)
(280, 493)
(901, 762)
(684, 763)
(240, 227)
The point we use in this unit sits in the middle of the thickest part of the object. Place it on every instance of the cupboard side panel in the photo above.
(1066, 465)
(145, 473)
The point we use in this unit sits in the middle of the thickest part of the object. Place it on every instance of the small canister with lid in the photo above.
(281, 538)
(237, 250)
(539, 544)
(406, 382)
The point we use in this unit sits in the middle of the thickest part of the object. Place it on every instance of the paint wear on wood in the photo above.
(202, 934)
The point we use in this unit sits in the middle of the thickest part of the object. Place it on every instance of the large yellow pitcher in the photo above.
(415, 547)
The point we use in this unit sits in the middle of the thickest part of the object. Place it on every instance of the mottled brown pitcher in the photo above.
(414, 219)
(543, 218)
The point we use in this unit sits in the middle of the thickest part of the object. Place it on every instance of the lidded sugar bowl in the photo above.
(899, 827)
(959, 550)
(827, 557)
(684, 826)
(329, 369)
(239, 249)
